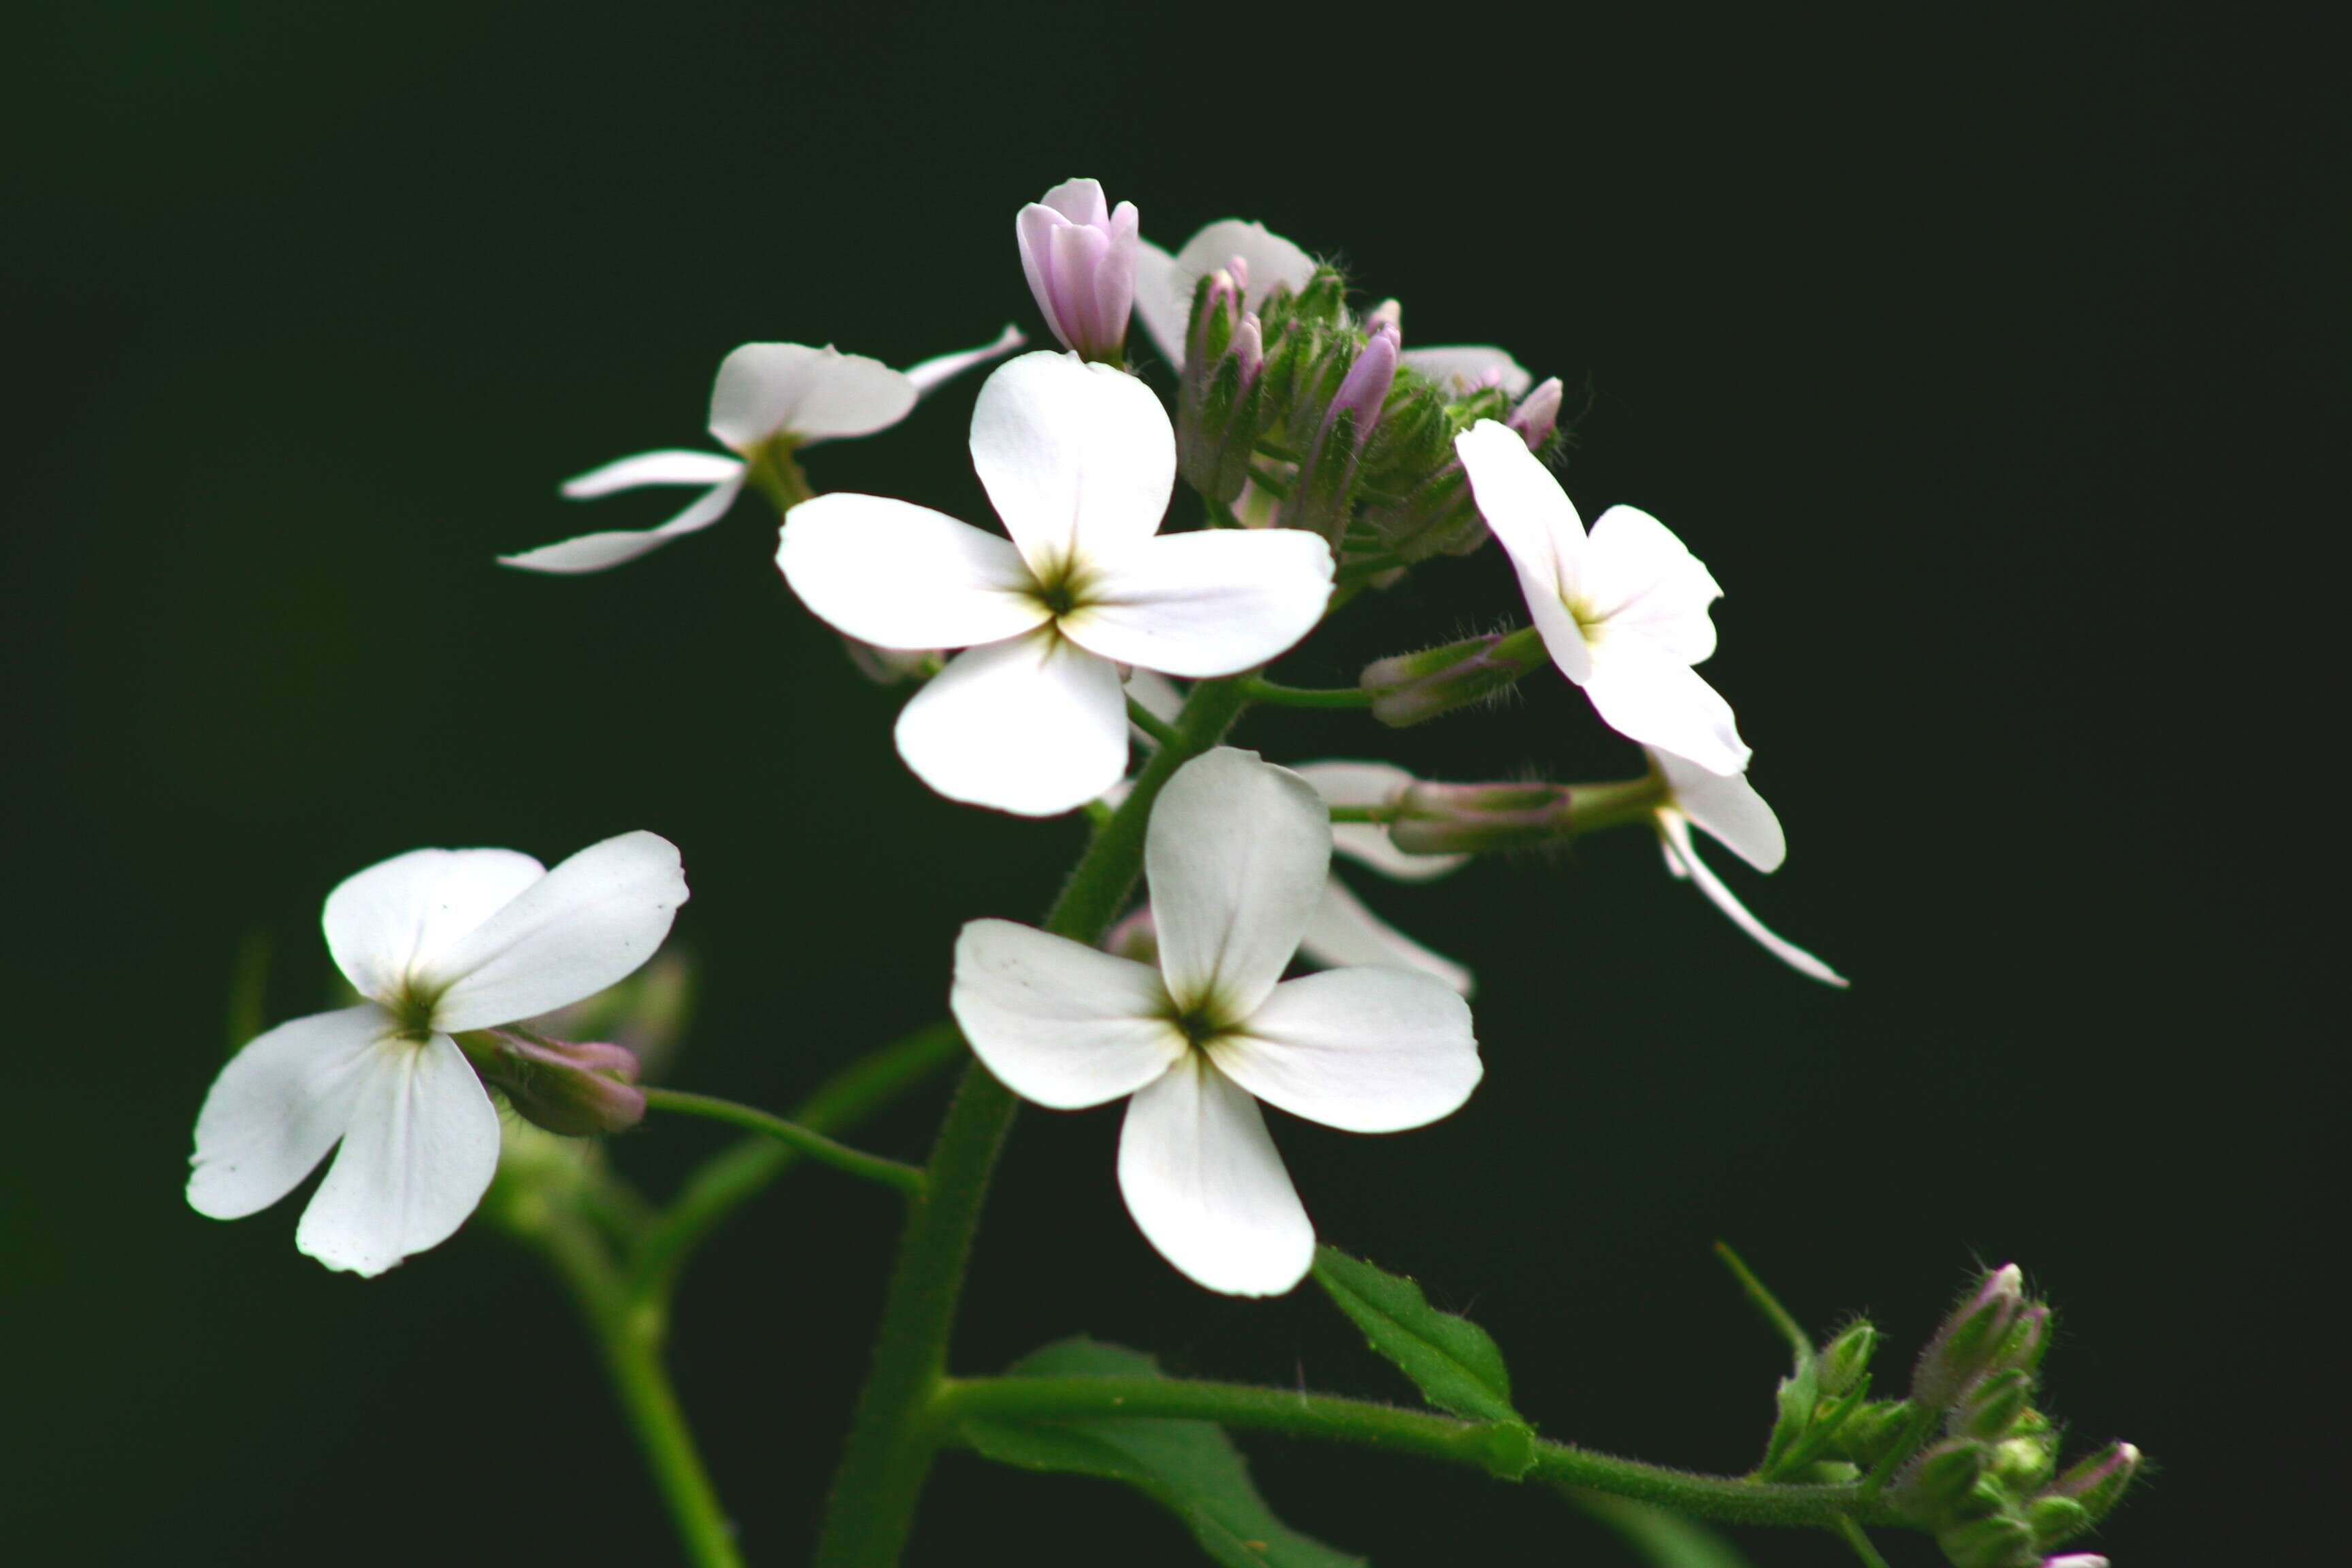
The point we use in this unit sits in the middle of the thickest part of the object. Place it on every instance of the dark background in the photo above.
(1996, 368)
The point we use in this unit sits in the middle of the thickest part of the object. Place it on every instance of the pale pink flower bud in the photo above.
(1079, 255)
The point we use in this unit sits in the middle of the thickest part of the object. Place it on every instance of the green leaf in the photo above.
(1451, 1359)
(1190, 1468)
(1662, 1539)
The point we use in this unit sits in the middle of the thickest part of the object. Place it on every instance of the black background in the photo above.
(1996, 367)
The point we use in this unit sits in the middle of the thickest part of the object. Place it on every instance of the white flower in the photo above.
(1735, 815)
(1079, 460)
(766, 395)
(1622, 613)
(440, 941)
(1342, 930)
(1163, 298)
(1237, 856)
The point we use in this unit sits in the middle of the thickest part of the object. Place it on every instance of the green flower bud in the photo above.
(1414, 687)
(2028, 1458)
(1939, 1480)
(1966, 1344)
(2099, 1482)
(1993, 1405)
(2056, 1519)
(1845, 1360)
(1998, 1542)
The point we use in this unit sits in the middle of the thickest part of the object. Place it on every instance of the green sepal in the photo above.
(1453, 1361)
(1190, 1468)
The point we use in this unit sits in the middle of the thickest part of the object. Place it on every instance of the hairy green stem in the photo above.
(1422, 1433)
(815, 1145)
(728, 1181)
(628, 1333)
(1863, 1549)
(1278, 696)
(871, 1510)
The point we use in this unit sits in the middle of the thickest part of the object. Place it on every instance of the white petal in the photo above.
(1647, 695)
(1158, 695)
(1077, 459)
(583, 926)
(1368, 843)
(767, 390)
(1236, 855)
(393, 921)
(1639, 578)
(664, 468)
(1680, 851)
(1207, 1188)
(1465, 368)
(1035, 726)
(594, 551)
(1365, 1050)
(1206, 603)
(1729, 808)
(1164, 308)
(420, 1152)
(1344, 934)
(1533, 519)
(1079, 200)
(1057, 1022)
(1164, 283)
(929, 373)
(903, 576)
(277, 1107)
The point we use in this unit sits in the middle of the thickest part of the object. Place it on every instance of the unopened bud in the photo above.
(576, 1088)
(2028, 1338)
(1080, 255)
(1388, 313)
(1220, 394)
(2029, 1458)
(1868, 1433)
(1135, 937)
(1846, 1359)
(2099, 1482)
(1414, 687)
(1537, 415)
(1478, 818)
(1992, 1405)
(1999, 1541)
(1967, 1342)
(1326, 474)
(2056, 1519)
(1939, 1480)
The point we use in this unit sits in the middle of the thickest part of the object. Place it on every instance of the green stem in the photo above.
(1779, 1317)
(1268, 692)
(815, 1145)
(871, 1510)
(728, 1181)
(1151, 723)
(1329, 1418)
(1860, 1542)
(628, 1333)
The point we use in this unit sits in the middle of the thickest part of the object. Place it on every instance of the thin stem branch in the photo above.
(1779, 1317)
(1161, 732)
(896, 1173)
(1362, 1423)
(1279, 696)
(871, 1510)
(1855, 1538)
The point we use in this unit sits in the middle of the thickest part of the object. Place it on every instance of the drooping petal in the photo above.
(278, 1106)
(1077, 459)
(1683, 857)
(586, 925)
(929, 373)
(1034, 725)
(391, 923)
(1462, 369)
(1640, 579)
(767, 390)
(1533, 519)
(1364, 1050)
(420, 1151)
(1058, 1022)
(1727, 807)
(903, 576)
(1206, 603)
(670, 467)
(1163, 283)
(595, 551)
(1344, 934)
(1369, 785)
(1236, 857)
(1648, 695)
(1207, 1188)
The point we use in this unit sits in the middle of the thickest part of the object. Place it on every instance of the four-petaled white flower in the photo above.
(767, 396)
(1237, 857)
(1079, 460)
(1624, 613)
(1730, 811)
(440, 941)
(1163, 299)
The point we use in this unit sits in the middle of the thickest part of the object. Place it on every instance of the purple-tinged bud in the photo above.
(1998, 1540)
(2099, 1482)
(1478, 818)
(1388, 313)
(1414, 687)
(1080, 255)
(1537, 415)
(1967, 1342)
(1221, 390)
(1135, 937)
(1326, 474)
(1368, 381)
(1994, 1403)
(576, 1088)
